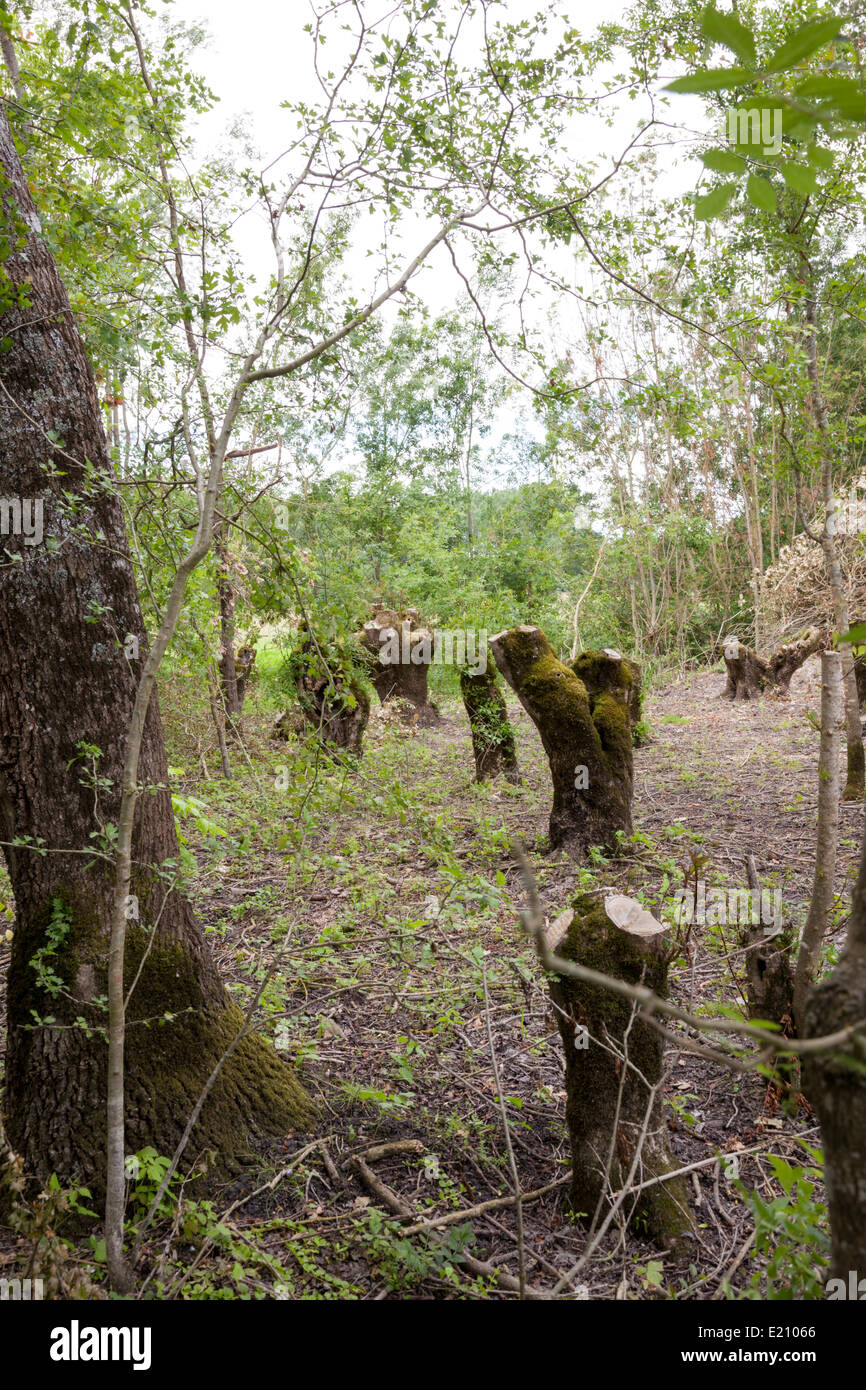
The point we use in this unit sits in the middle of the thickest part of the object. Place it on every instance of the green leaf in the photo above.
(726, 29)
(712, 80)
(724, 162)
(821, 158)
(799, 179)
(714, 202)
(760, 193)
(855, 635)
(833, 88)
(805, 40)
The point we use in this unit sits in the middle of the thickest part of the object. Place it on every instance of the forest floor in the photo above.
(387, 903)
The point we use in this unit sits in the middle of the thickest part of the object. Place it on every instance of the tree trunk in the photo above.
(769, 982)
(71, 645)
(611, 1110)
(226, 595)
(588, 744)
(750, 676)
(332, 701)
(829, 787)
(608, 672)
(835, 1084)
(492, 734)
(245, 660)
(856, 778)
(401, 654)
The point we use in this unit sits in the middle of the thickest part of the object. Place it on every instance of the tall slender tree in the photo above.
(72, 642)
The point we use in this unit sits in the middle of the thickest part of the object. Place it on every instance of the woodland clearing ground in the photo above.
(376, 893)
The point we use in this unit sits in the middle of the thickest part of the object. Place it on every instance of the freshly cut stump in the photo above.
(612, 1062)
(588, 743)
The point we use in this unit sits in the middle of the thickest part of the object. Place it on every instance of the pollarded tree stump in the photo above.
(608, 672)
(331, 698)
(400, 654)
(613, 1061)
(492, 734)
(749, 675)
(767, 958)
(588, 745)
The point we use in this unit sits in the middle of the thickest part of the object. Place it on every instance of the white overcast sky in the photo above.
(258, 56)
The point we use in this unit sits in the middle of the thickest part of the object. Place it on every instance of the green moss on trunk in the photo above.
(607, 1107)
(492, 734)
(180, 1022)
(587, 741)
(607, 672)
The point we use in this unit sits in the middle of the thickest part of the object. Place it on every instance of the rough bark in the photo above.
(610, 1108)
(835, 1083)
(609, 672)
(492, 734)
(587, 741)
(855, 780)
(68, 677)
(226, 596)
(332, 700)
(836, 1087)
(245, 660)
(390, 633)
(769, 977)
(829, 787)
(749, 675)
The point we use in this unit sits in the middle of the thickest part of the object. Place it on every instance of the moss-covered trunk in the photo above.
(613, 1062)
(332, 700)
(492, 734)
(609, 672)
(72, 641)
(587, 741)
